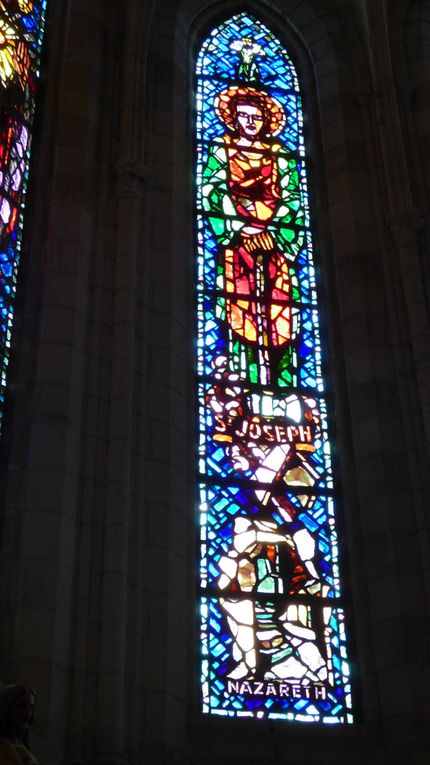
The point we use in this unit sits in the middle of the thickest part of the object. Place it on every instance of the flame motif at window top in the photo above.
(21, 33)
(273, 640)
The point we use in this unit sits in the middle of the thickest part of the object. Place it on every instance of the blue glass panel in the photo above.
(269, 697)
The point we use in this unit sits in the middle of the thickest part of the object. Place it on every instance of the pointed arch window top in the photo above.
(272, 614)
(223, 59)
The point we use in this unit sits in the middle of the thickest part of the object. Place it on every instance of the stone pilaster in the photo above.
(113, 614)
(405, 230)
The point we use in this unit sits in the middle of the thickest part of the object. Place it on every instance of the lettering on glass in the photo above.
(272, 621)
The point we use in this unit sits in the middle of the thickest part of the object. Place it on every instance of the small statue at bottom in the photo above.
(17, 704)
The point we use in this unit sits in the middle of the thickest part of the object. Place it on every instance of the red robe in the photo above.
(257, 282)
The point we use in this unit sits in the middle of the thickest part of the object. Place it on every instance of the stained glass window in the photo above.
(273, 637)
(21, 33)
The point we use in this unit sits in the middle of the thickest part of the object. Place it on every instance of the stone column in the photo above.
(113, 609)
(404, 229)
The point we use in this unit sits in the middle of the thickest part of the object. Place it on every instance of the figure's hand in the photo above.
(260, 241)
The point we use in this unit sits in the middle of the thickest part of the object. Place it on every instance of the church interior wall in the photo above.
(98, 549)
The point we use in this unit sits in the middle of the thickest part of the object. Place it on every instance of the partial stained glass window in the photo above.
(273, 638)
(21, 33)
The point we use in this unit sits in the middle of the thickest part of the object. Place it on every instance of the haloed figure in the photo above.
(17, 704)
(251, 194)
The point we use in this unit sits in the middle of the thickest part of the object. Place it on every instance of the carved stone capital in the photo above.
(130, 177)
(405, 228)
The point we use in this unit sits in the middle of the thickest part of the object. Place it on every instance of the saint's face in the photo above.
(249, 120)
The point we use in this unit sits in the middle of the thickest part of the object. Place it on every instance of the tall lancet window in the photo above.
(273, 641)
(21, 32)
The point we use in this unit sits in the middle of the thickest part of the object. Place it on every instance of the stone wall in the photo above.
(97, 559)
